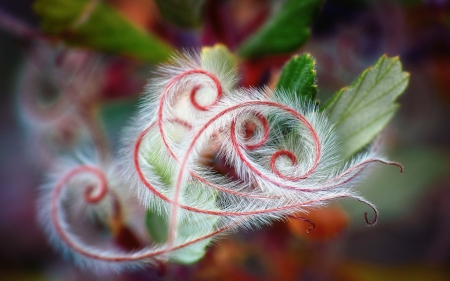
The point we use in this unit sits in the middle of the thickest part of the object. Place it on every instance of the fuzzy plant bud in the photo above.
(284, 152)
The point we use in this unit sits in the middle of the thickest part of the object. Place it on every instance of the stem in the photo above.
(194, 175)
(80, 248)
(246, 213)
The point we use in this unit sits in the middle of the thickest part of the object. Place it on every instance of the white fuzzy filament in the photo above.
(283, 151)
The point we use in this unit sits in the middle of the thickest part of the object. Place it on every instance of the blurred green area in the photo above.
(97, 25)
(182, 13)
(284, 32)
(298, 77)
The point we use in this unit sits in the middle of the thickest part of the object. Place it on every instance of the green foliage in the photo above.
(298, 77)
(183, 13)
(162, 170)
(191, 226)
(284, 32)
(361, 111)
(219, 54)
(157, 226)
(97, 25)
(194, 225)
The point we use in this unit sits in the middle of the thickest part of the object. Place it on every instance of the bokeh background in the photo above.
(412, 238)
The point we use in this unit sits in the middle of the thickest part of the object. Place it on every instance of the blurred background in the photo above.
(55, 60)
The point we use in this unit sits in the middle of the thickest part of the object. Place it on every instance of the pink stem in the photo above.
(194, 175)
(191, 146)
(313, 225)
(361, 166)
(83, 250)
(113, 256)
(265, 136)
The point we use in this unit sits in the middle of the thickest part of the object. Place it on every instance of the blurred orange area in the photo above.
(142, 13)
(358, 271)
(249, 14)
(329, 223)
(238, 260)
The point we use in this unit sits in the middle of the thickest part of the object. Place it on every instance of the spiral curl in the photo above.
(281, 181)
(279, 175)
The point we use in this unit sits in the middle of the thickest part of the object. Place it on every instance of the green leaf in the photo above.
(219, 55)
(298, 77)
(95, 24)
(191, 226)
(183, 13)
(154, 158)
(361, 111)
(157, 226)
(395, 195)
(284, 32)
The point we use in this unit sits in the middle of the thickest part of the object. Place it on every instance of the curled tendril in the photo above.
(313, 225)
(239, 148)
(278, 176)
(375, 212)
(92, 195)
(265, 130)
(287, 154)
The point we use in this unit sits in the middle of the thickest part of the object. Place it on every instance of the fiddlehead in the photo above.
(283, 151)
